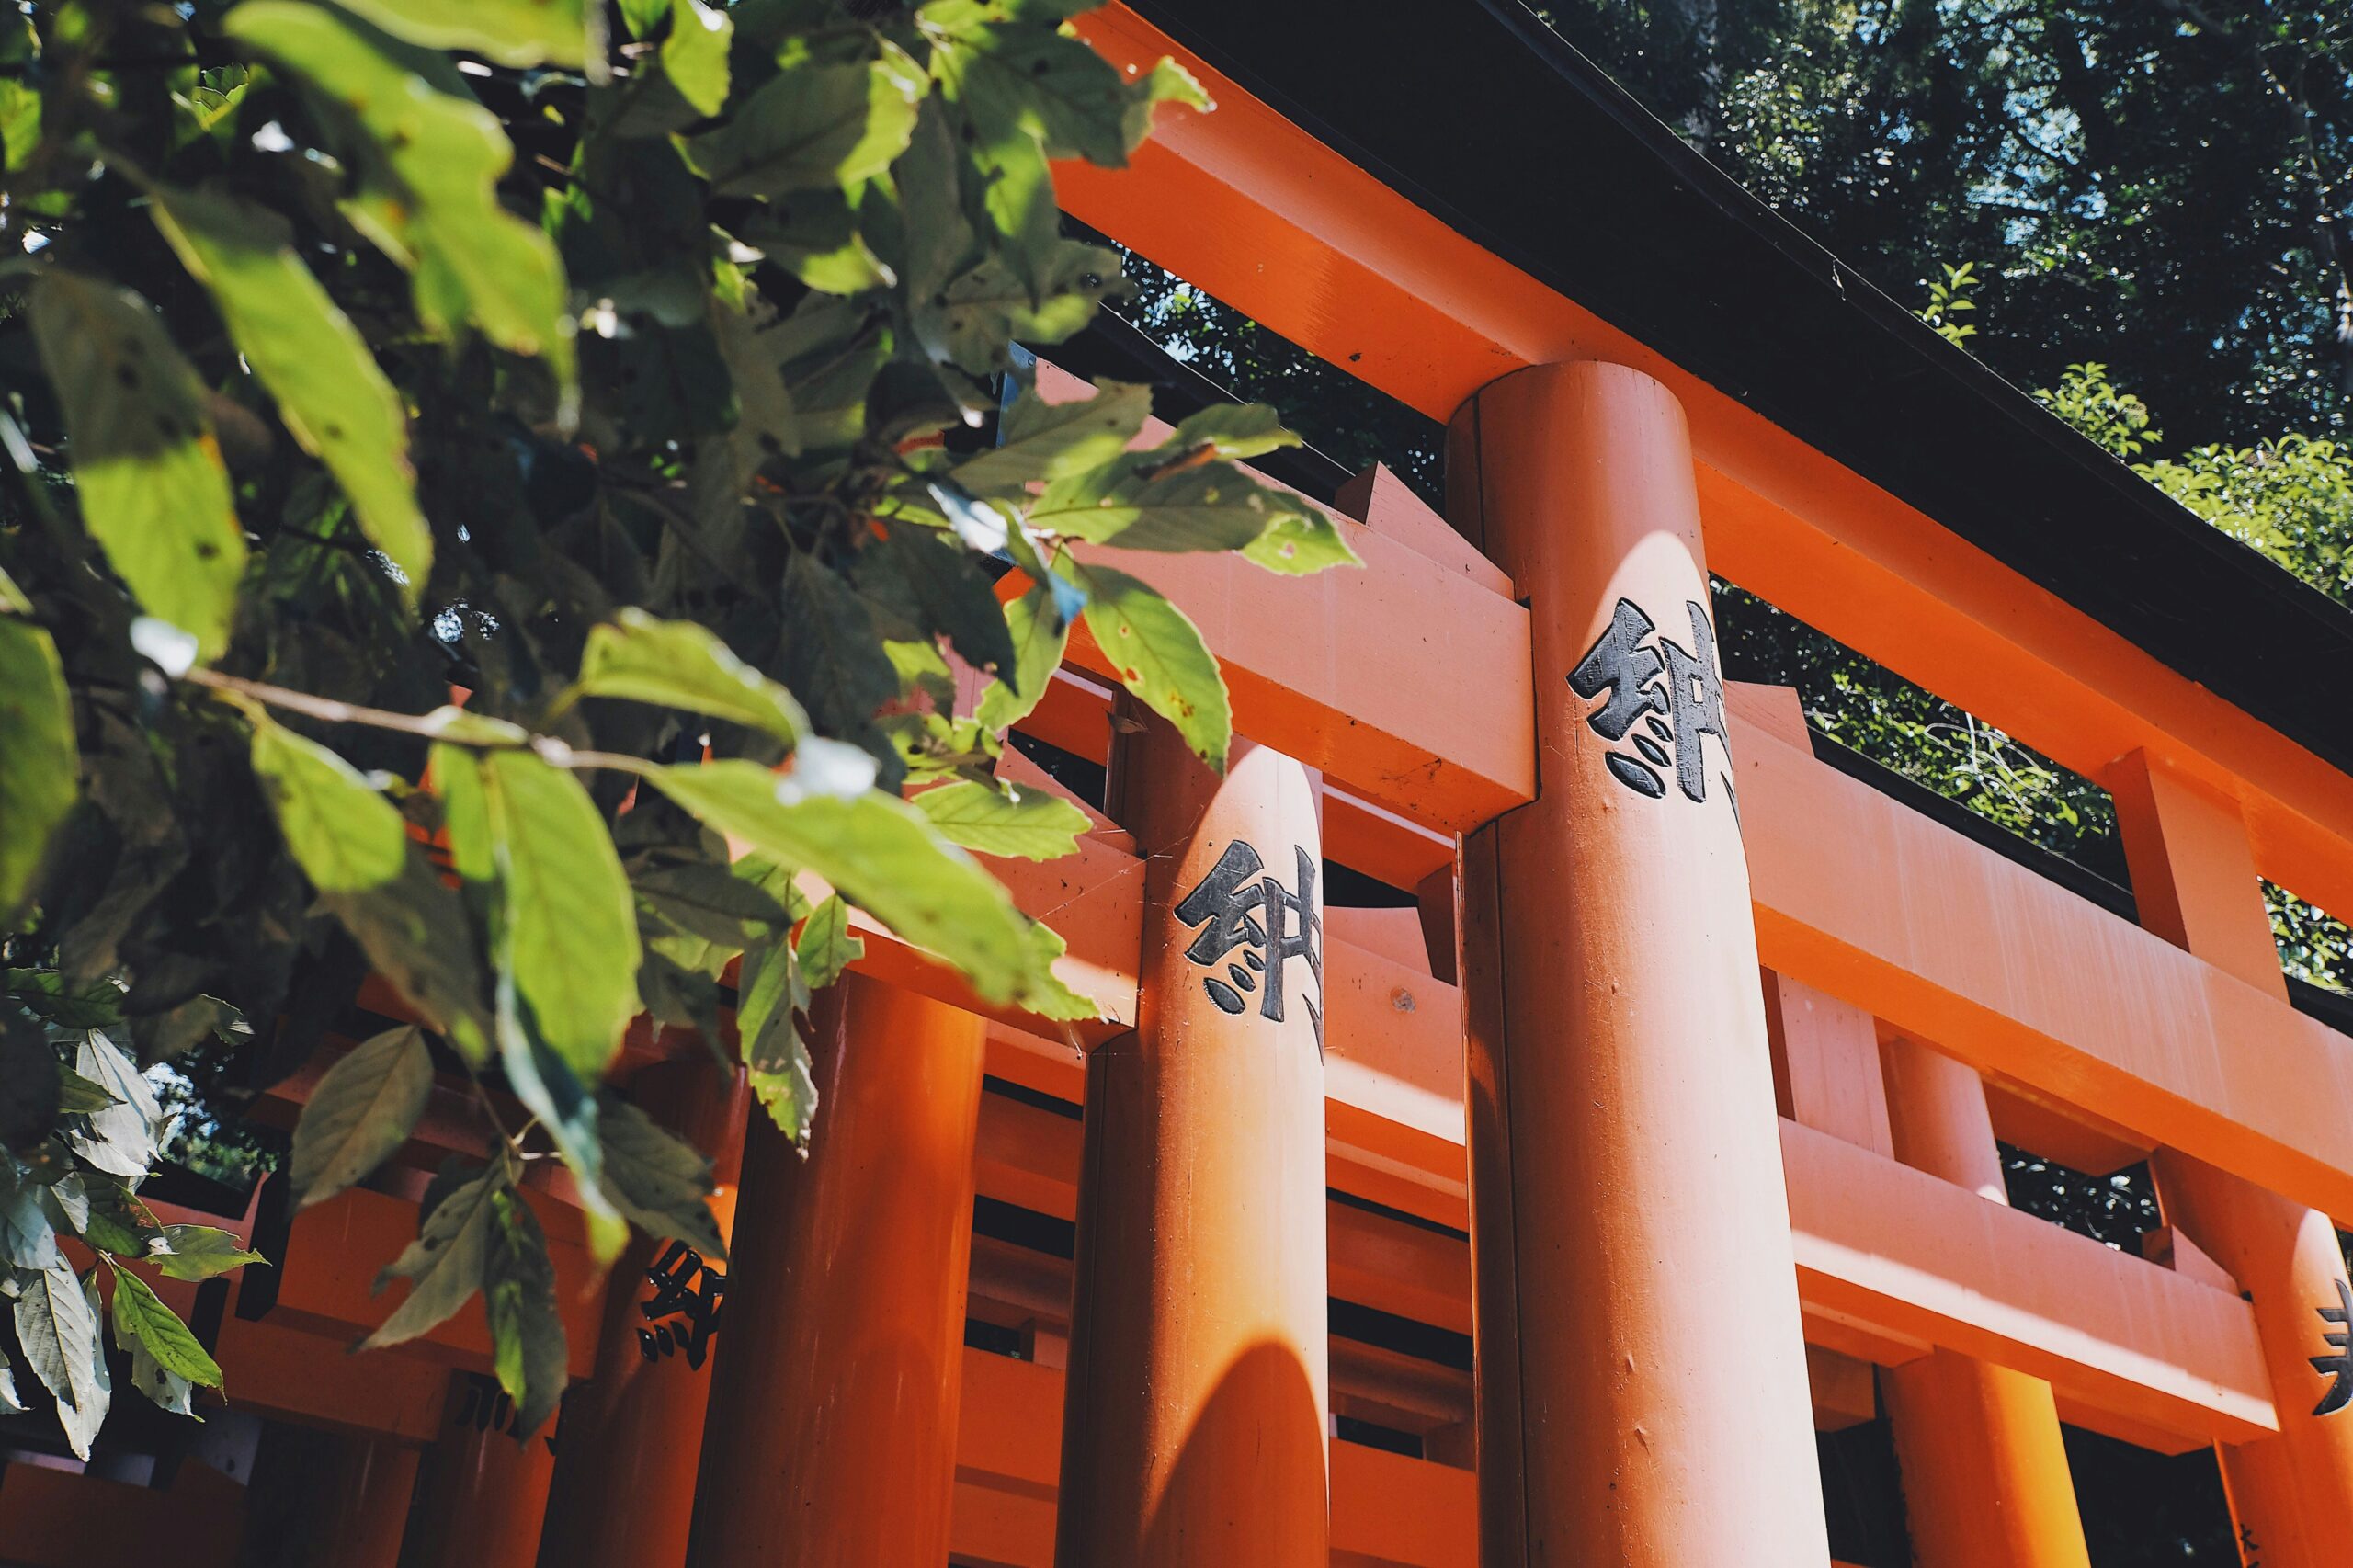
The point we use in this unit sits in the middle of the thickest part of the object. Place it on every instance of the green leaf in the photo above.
(814, 127)
(1231, 430)
(875, 849)
(333, 396)
(695, 54)
(567, 1110)
(57, 1328)
(198, 1252)
(1211, 507)
(1159, 656)
(415, 935)
(680, 664)
(41, 765)
(518, 1293)
(710, 902)
(830, 650)
(155, 493)
(47, 994)
(444, 154)
(362, 1110)
(825, 947)
(77, 1095)
(979, 313)
(1035, 81)
(121, 1139)
(1040, 632)
(821, 244)
(660, 1182)
(512, 32)
(939, 587)
(1042, 441)
(346, 838)
(771, 991)
(11, 1402)
(1042, 991)
(444, 1266)
(1022, 824)
(140, 1316)
(567, 924)
(28, 1239)
(1300, 543)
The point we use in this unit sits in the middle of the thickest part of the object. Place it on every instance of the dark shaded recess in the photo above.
(1387, 1331)
(1037, 1098)
(1026, 1228)
(2144, 1509)
(1862, 1496)
(1367, 1433)
(1347, 888)
(995, 1339)
(1526, 147)
(2114, 1209)
(1073, 772)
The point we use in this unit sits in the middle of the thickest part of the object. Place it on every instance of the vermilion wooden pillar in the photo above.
(481, 1496)
(358, 1515)
(2194, 876)
(1642, 1381)
(624, 1490)
(1194, 1422)
(831, 1439)
(1985, 1476)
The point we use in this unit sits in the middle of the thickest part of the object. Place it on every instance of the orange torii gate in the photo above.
(1659, 1136)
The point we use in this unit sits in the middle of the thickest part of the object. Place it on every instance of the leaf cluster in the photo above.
(548, 507)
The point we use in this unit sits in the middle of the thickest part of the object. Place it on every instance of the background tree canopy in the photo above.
(497, 495)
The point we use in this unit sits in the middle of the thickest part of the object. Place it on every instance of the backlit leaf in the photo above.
(874, 848)
(825, 947)
(1158, 654)
(1041, 630)
(814, 127)
(680, 664)
(1042, 441)
(41, 765)
(473, 260)
(330, 391)
(341, 830)
(141, 1315)
(1021, 822)
(198, 1252)
(695, 54)
(147, 469)
(121, 1138)
(512, 32)
(414, 932)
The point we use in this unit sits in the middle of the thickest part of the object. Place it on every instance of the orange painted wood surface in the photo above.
(1916, 1254)
(333, 1251)
(57, 1519)
(1256, 212)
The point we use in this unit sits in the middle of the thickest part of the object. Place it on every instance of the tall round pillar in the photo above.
(624, 1488)
(2195, 879)
(359, 1513)
(480, 1494)
(831, 1436)
(1642, 1381)
(1194, 1427)
(1985, 1477)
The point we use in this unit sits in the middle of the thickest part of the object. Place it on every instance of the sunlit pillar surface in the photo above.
(2291, 1496)
(1194, 1427)
(1985, 1476)
(1642, 1381)
(831, 1440)
(624, 1489)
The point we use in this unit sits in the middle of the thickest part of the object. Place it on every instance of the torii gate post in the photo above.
(2195, 879)
(1195, 1417)
(1642, 1382)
